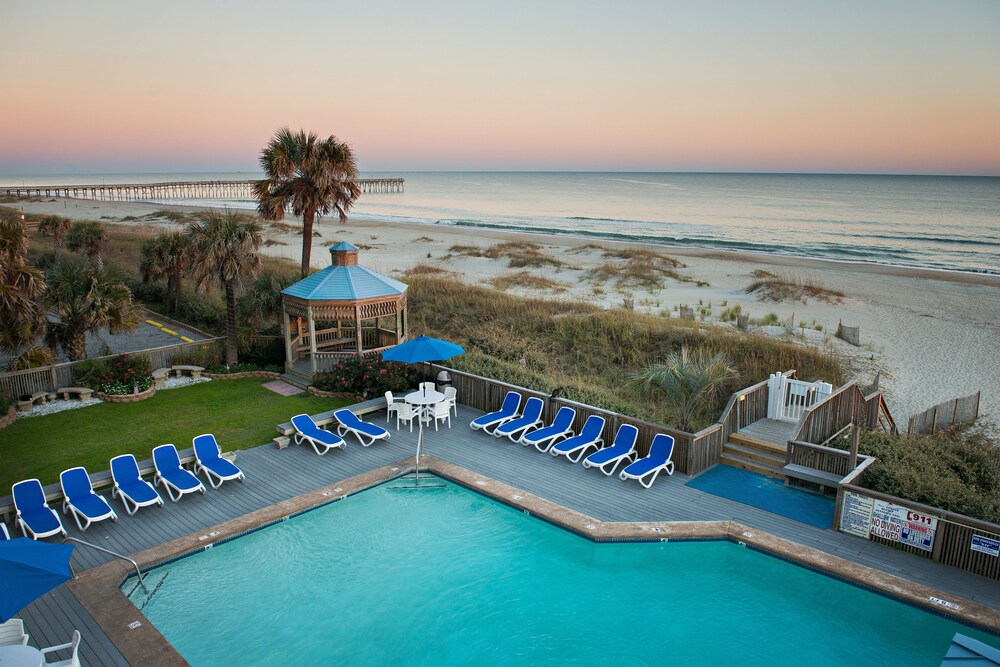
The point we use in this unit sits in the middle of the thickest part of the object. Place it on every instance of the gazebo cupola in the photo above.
(342, 310)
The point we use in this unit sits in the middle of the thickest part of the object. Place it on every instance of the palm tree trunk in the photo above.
(174, 292)
(231, 348)
(97, 261)
(77, 347)
(56, 246)
(307, 239)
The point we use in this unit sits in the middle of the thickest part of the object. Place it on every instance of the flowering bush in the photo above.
(125, 375)
(366, 376)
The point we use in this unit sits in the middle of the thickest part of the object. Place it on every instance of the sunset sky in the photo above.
(850, 86)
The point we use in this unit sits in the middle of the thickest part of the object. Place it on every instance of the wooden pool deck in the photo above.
(275, 475)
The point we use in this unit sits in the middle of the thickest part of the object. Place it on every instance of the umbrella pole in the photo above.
(420, 442)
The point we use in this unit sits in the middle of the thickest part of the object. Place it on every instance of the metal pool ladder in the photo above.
(138, 573)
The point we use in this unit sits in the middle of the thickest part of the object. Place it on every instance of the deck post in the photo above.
(287, 323)
(312, 341)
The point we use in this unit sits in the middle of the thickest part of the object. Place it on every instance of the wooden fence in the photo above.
(963, 410)
(953, 538)
(51, 378)
(845, 406)
(487, 394)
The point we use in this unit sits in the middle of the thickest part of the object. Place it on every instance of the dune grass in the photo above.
(590, 352)
(636, 268)
(776, 287)
(519, 254)
(241, 414)
(526, 280)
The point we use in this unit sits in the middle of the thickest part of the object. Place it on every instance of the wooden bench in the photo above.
(194, 371)
(82, 392)
(824, 479)
(324, 418)
(99, 480)
(160, 376)
(38, 398)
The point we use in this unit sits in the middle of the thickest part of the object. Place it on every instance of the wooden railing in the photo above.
(819, 457)
(845, 406)
(487, 394)
(50, 378)
(744, 407)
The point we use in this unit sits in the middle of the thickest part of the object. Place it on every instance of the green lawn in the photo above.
(241, 414)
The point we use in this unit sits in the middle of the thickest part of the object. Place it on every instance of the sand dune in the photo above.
(934, 335)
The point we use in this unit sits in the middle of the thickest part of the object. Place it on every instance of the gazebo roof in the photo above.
(345, 283)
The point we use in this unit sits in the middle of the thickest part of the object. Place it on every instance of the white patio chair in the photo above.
(428, 386)
(12, 633)
(406, 413)
(442, 412)
(74, 659)
(391, 405)
(451, 398)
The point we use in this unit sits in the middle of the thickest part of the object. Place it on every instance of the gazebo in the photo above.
(345, 309)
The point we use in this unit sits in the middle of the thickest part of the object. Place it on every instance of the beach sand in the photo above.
(933, 335)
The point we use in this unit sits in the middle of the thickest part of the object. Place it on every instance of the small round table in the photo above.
(423, 398)
(20, 656)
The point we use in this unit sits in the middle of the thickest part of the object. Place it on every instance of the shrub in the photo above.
(125, 374)
(957, 469)
(366, 376)
(202, 356)
(87, 373)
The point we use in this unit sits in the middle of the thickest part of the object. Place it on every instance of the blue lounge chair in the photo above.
(134, 491)
(507, 411)
(622, 449)
(208, 459)
(530, 418)
(175, 479)
(34, 515)
(576, 448)
(307, 430)
(660, 451)
(367, 434)
(87, 507)
(560, 428)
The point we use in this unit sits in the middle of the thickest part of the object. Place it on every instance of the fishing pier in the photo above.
(172, 190)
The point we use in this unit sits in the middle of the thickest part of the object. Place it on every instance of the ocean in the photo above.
(940, 222)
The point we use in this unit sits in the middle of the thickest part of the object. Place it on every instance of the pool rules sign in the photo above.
(865, 516)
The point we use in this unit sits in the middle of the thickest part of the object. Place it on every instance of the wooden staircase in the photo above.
(749, 453)
(297, 379)
(759, 447)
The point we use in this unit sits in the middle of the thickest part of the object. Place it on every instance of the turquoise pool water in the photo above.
(448, 577)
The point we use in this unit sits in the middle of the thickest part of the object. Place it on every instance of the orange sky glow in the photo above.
(900, 87)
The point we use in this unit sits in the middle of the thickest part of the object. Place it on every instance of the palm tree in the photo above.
(55, 226)
(310, 175)
(688, 379)
(166, 256)
(22, 318)
(85, 300)
(260, 305)
(224, 249)
(88, 237)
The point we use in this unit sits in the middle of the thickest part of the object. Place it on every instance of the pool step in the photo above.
(764, 461)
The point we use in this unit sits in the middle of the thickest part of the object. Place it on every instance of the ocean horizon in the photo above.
(937, 222)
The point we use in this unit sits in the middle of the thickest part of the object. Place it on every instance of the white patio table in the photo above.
(20, 656)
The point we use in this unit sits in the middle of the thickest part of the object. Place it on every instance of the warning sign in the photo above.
(903, 525)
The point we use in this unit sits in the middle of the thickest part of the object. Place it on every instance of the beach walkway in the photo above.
(275, 475)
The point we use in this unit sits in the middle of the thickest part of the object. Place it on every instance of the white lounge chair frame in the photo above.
(213, 477)
(317, 444)
(344, 429)
(67, 506)
(172, 488)
(23, 525)
(116, 491)
(667, 466)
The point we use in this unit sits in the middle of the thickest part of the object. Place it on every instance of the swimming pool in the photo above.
(449, 577)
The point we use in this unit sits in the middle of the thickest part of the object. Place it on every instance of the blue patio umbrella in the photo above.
(421, 349)
(29, 569)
